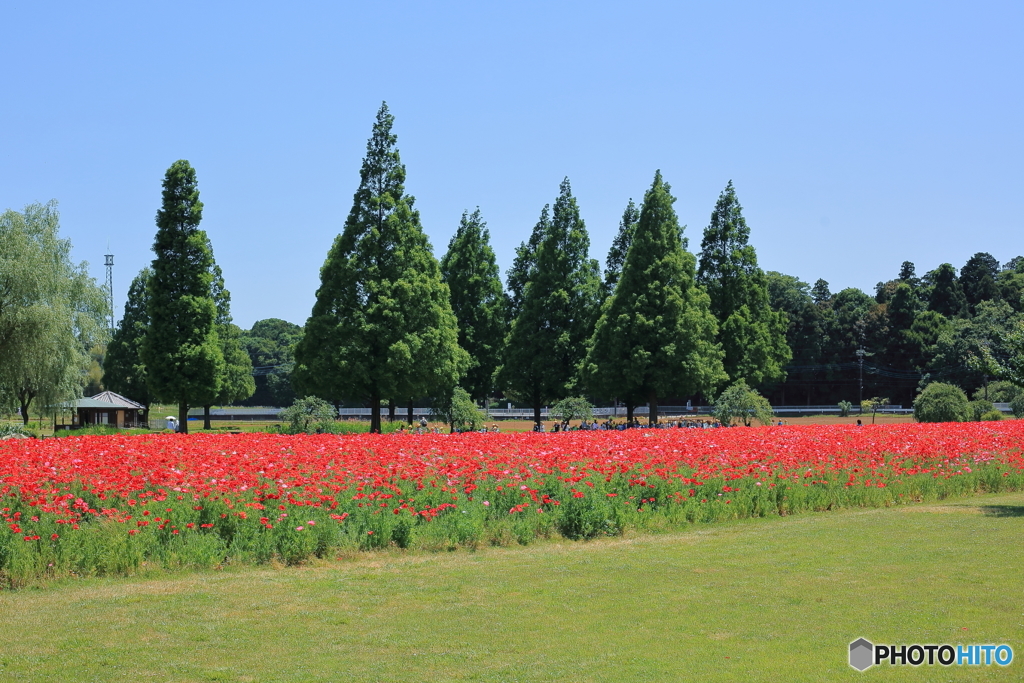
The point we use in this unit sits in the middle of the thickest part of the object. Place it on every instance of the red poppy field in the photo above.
(110, 505)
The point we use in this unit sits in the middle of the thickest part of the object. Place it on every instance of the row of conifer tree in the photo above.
(393, 324)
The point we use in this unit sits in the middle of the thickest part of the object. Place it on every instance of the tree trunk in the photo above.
(409, 416)
(652, 416)
(183, 417)
(25, 399)
(375, 413)
(536, 410)
(206, 417)
(391, 410)
(629, 413)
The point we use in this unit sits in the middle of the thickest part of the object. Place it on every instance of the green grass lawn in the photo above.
(765, 599)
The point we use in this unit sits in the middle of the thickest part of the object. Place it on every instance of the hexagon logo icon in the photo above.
(861, 654)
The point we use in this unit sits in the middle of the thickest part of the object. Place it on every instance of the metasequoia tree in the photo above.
(656, 333)
(752, 335)
(382, 327)
(556, 312)
(181, 351)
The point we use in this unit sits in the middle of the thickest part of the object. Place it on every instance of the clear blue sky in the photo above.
(858, 135)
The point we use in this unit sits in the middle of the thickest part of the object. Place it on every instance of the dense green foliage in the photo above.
(1000, 391)
(947, 295)
(458, 410)
(555, 314)
(752, 334)
(181, 350)
(470, 270)
(740, 402)
(979, 407)
(572, 408)
(382, 326)
(656, 334)
(620, 247)
(940, 402)
(51, 312)
(271, 348)
(1017, 405)
(308, 415)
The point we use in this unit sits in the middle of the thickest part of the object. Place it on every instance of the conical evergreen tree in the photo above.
(978, 279)
(752, 335)
(123, 369)
(656, 334)
(525, 263)
(549, 334)
(620, 245)
(181, 351)
(470, 270)
(382, 326)
(947, 296)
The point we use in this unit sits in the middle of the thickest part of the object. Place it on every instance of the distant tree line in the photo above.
(392, 326)
(942, 326)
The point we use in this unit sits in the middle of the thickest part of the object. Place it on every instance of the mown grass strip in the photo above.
(763, 599)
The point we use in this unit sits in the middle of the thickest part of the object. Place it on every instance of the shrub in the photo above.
(9, 429)
(740, 401)
(872, 405)
(1017, 405)
(572, 408)
(991, 416)
(979, 407)
(458, 410)
(940, 402)
(844, 408)
(1000, 392)
(308, 415)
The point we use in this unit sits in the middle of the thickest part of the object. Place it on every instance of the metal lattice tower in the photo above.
(109, 263)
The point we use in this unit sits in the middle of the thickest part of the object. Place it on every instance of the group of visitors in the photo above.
(586, 425)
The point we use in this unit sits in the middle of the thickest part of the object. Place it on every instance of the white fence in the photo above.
(242, 414)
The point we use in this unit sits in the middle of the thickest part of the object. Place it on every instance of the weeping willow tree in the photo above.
(51, 312)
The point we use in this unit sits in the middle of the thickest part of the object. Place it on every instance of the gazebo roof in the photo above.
(117, 399)
(104, 401)
(90, 403)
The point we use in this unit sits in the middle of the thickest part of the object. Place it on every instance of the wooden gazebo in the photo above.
(106, 408)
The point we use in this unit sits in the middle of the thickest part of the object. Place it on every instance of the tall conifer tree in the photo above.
(382, 326)
(547, 342)
(978, 279)
(525, 262)
(752, 335)
(620, 245)
(656, 334)
(470, 270)
(947, 296)
(181, 351)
